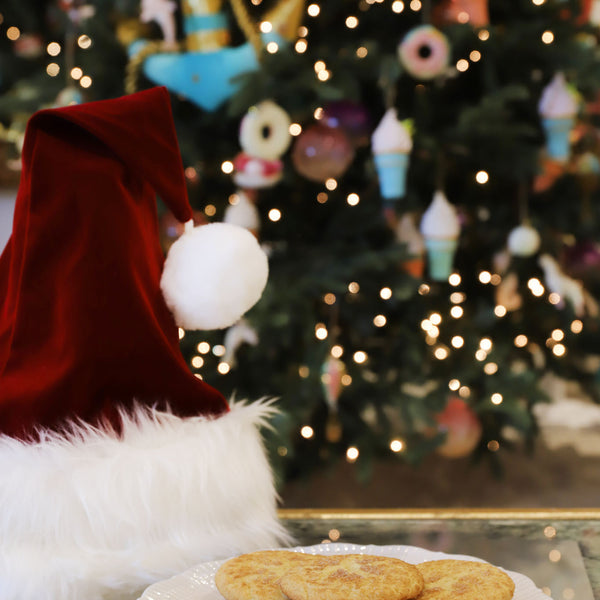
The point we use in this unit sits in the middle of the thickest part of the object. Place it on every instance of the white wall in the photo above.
(7, 205)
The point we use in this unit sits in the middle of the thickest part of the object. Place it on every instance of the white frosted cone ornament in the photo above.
(213, 274)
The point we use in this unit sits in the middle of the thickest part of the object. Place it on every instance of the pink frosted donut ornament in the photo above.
(424, 52)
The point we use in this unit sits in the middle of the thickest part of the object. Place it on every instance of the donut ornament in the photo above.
(424, 52)
(265, 131)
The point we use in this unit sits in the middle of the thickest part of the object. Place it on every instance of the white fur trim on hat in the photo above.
(95, 515)
(213, 274)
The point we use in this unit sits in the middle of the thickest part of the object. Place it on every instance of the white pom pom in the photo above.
(213, 274)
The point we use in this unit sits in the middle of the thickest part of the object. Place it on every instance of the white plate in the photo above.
(198, 583)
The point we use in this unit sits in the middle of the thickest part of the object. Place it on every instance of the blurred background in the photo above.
(424, 178)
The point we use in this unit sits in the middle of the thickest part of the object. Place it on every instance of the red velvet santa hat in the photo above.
(118, 467)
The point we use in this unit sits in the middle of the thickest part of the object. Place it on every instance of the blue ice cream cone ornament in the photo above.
(204, 69)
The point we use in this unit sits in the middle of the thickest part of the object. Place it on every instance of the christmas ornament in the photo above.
(507, 292)
(407, 233)
(243, 213)
(251, 172)
(462, 427)
(265, 131)
(352, 117)
(440, 227)
(198, 261)
(558, 107)
(205, 71)
(582, 261)
(550, 171)
(321, 152)
(474, 12)
(568, 289)
(29, 45)
(161, 12)
(391, 144)
(424, 52)
(240, 333)
(523, 240)
(332, 373)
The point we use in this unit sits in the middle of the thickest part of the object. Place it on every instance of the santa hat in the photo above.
(119, 467)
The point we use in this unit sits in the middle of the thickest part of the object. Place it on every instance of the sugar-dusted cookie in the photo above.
(352, 577)
(464, 580)
(255, 576)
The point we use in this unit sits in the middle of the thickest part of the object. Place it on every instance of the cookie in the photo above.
(464, 580)
(255, 576)
(352, 577)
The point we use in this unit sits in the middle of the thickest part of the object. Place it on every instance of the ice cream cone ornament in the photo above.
(118, 467)
(440, 227)
(558, 107)
(391, 144)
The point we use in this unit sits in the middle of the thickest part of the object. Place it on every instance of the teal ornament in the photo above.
(205, 77)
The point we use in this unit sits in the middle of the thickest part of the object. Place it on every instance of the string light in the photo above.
(454, 279)
(303, 371)
(493, 446)
(197, 362)
(433, 332)
(557, 335)
(500, 311)
(361, 52)
(397, 6)
(497, 398)
(352, 454)
(554, 298)
(219, 350)
(53, 69)
(475, 56)
(223, 368)
(302, 31)
(319, 66)
(337, 351)
(76, 73)
(351, 22)
(485, 344)
(321, 332)
(13, 33)
(415, 5)
(379, 321)
(490, 368)
(266, 27)
(274, 215)
(84, 41)
(227, 167)
(307, 432)
(547, 37)
(53, 49)
(462, 65)
(456, 312)
(272, 47)
(396, 445)
(441, 353)
(485, 277)
(480, 355)
(331, 184)
(85, 81)
(454, 384)
(423, 289)
(521, 341)
(353, 199)
(210, 210)
(559, 350)
(346, 379)
(464, 391)
(322, 197)
(181, 333)
(318, 114)
(463, 17)
(577, 326)
(329, 299)
(496, 279)
(313, 10)
(385, 293)
(457, 297)
(203, 347)
(353, 287)
(359, 357)
(301, 46)
(457, 341)
(483, 35)
(435, 318)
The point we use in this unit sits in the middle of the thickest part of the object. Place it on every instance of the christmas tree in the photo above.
(423, 175)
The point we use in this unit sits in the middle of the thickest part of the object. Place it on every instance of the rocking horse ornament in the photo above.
(203, 67)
